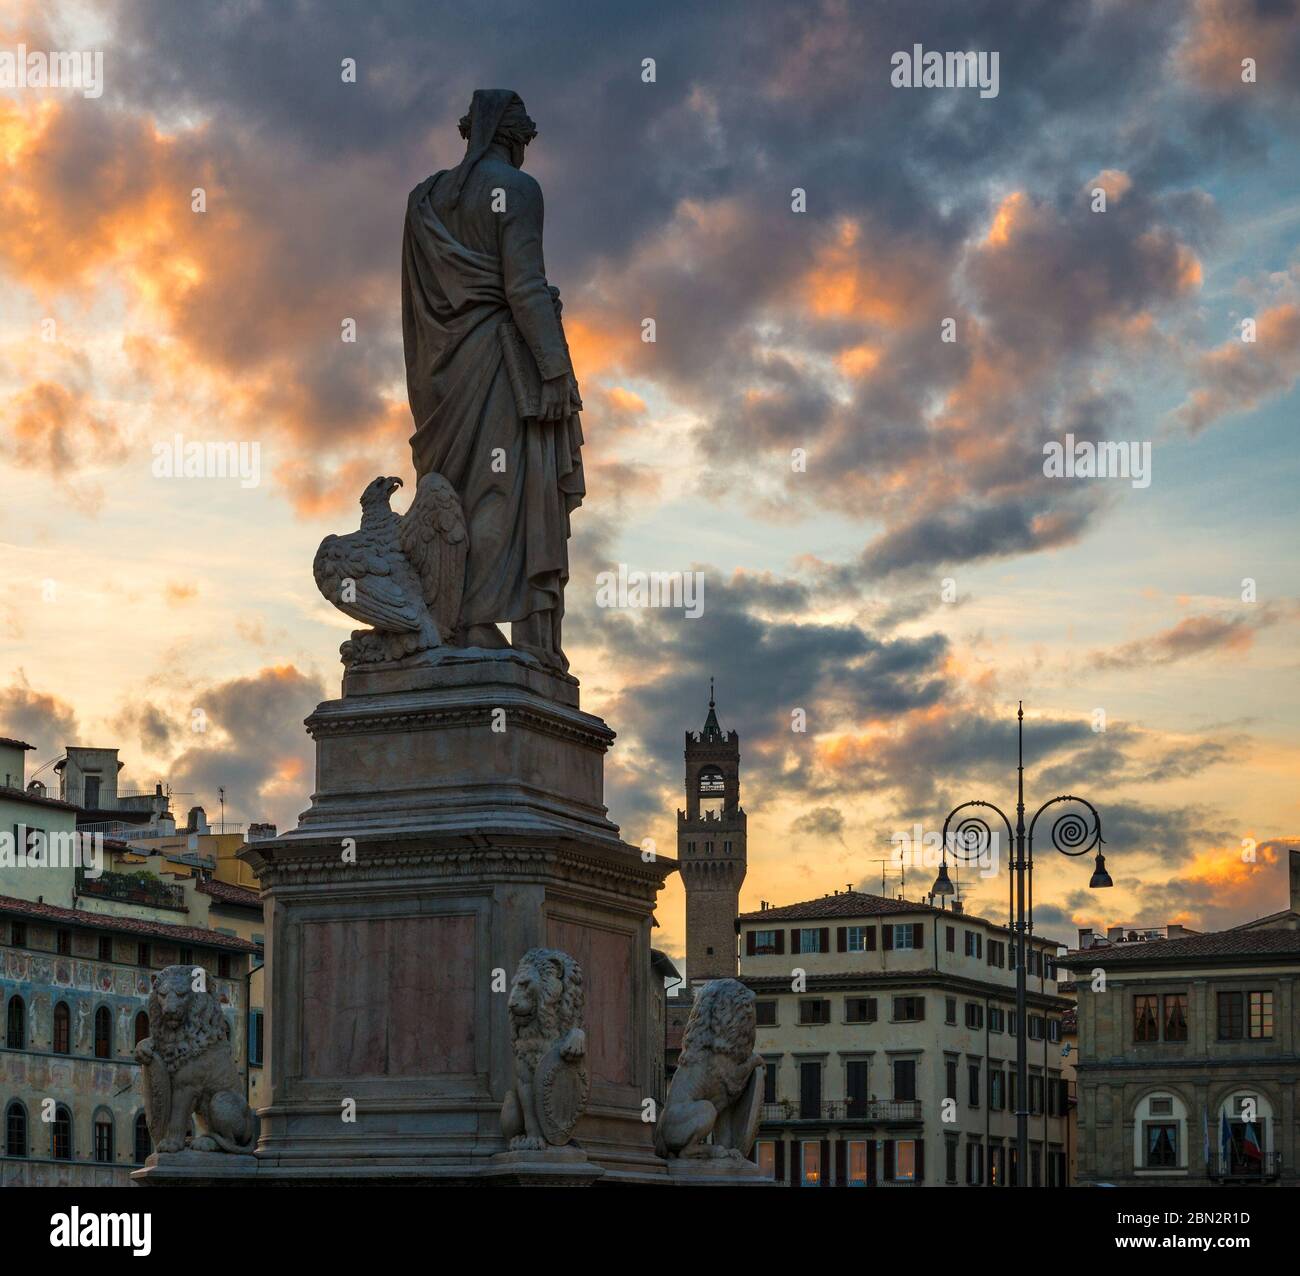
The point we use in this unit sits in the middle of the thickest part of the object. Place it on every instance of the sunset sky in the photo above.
(132, 601)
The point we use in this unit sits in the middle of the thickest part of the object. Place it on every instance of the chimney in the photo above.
(1085, 936)
(257, 832)
(196, 821)
(1115, 934)
(958, 907)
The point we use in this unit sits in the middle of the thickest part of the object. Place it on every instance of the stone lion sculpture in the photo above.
(551, 1080)
(718, 1086)
(188, 1070)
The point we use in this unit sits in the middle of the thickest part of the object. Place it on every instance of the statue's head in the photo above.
(502, 111)
(378, 491)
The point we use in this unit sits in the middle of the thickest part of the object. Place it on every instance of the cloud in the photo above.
(1231, 633)
(823, 822)
(37, 717)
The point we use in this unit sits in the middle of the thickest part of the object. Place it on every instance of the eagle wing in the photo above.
(377, 599)
(436, 543)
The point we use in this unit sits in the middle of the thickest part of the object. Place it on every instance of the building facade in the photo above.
(711, 849)
(1189, 1053)
(887, 1029)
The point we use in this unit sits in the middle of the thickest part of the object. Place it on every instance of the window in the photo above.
(950, 1160)
(810, 1090)
(1035, 1095)
(18, 934)
(974, 1163)
(186, 957)
(950, 1010)
(1053, 1030)
(974, 1015)
(1145, 1025)
(814, 1010)
(142, 1026)
(997, 1090)
(61, 1135)
(1035, 1027)
(103, 1033)
(1231, 1016)
(16, 1024)
(103, 1137)
(16, 1130)
(905, 1159)
(997, 1019)
(904, 1079)
(856, 1163)
(1260, 1025)
(62, 1029)
(857, 1094)
(950, 938)
(860, 1010)
(1161, 1105)
(763, 942)
(143, 1143)
(1175, 1016)
(973, 1087)
(224, 966)
(997, 953)
(770, 1069)
(909, 1009)
(974, 944)
(765, 1150)
(950, 1079)
(142, 955)
(1162, 1145)
(92, 783)
(765, 1014)
(810, 1164)
(106, 948)
(859, 939)
(809, 940)
(63, 942)
(255, 1043)
(907, 935)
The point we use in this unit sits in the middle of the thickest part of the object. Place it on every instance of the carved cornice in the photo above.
(440, 719)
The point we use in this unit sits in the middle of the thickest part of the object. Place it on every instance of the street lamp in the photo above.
(1072, 833)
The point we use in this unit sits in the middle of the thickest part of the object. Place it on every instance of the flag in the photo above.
(1205, 1131)
(1225, 1137)
(1250, 1144)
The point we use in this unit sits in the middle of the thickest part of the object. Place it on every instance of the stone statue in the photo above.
(550, 1049)
(718, 1086)
(188, 1070)
(402, 573)
(490, 380)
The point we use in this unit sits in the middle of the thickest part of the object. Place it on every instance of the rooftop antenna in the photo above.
(221, 792)
(710, 691)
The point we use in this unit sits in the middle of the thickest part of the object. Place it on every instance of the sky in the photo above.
(886, 562)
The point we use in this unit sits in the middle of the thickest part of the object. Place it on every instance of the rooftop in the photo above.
(229, 893)
(1218, 944)
(126, 925)
(15, 744)
(861, 904)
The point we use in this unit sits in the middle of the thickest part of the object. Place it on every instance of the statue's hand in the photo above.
(555, 399)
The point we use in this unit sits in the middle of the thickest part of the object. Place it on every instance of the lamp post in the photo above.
(1072, 833)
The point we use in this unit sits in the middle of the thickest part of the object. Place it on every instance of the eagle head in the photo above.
(378, 491)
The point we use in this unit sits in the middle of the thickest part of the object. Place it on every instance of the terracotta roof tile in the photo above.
(1223, 943)
(129, 925)
(229, 893)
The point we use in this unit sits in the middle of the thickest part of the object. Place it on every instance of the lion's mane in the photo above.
(559, 1005)
(204, 1025)
(721, 1022)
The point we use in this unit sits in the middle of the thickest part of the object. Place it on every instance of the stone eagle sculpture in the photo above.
(402, 573)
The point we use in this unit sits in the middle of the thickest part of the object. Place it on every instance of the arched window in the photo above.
(61, 1134)
(103, 1135)
(62, 1029)
(141, 1026)
(103, 1033)
(16, 1024)
(1160, 1133)
(143, 1143)
(16, 1130)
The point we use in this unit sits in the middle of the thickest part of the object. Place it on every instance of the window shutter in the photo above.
(780, 942)
(886, 937)
(950, 939)
(796, 1162)
(889, 1159)
(841, 1163)
(794, 939)
(871, 939)
(871, 1009)
(749, 943)
(841, 942)
(779, 1165)
(871, 1162)
(920, 1160)
(824, 944)
(918, 934)
(826, 1163)
(920, 1007)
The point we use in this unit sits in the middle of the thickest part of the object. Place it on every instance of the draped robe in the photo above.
(465, 270)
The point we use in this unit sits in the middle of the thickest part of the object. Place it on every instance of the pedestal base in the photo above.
(716, 1172)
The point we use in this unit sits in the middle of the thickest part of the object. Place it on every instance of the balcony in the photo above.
(124, 888)
(868, 1111)
(1240, 1170)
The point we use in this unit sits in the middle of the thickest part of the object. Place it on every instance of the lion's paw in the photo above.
(527, 1143)
(203, 1143)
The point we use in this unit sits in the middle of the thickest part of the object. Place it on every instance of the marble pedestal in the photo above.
(458, 820)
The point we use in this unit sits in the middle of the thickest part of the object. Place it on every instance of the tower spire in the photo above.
(712, 729)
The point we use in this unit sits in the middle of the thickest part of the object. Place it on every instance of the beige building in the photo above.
(1189, 1052)
(887, 1027)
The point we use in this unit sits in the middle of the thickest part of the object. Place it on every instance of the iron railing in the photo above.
(875, 1110)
